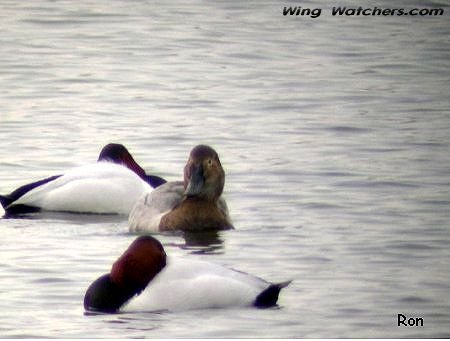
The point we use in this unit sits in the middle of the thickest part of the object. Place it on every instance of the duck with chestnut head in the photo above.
(144, 278)
(109, 186)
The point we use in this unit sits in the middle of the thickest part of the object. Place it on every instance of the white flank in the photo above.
(102, 187)
(188, 284)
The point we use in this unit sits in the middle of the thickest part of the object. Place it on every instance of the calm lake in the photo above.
(334, 133)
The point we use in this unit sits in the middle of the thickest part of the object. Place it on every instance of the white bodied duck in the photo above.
(110, 186)
(194, 204)
(145, 279)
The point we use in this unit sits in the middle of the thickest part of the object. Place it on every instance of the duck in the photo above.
(109, 186)
(145, 279)
(194, 204)
(119, 154)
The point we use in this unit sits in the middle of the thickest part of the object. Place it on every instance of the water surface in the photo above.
(334, 134)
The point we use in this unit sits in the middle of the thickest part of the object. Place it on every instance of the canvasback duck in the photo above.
(117, 153)
(110, 186)
(194, 204)
(145, 279)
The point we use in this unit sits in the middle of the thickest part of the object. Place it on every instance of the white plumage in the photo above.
(194, 284)
(102, 187)
(146, 214)
(148, 210)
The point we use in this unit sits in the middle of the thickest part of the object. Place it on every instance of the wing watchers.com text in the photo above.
(360, 11)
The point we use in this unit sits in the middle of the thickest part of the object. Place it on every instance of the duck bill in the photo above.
(196, 182)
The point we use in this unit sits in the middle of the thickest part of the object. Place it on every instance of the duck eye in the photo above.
(210, 162)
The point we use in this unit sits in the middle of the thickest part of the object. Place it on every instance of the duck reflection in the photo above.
(199, 242)
(203, 242)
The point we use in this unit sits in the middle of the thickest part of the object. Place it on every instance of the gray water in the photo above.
(334, 133)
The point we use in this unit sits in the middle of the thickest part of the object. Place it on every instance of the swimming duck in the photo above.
(111, 185)
(194, 204)
(145, 279)
(117, 153)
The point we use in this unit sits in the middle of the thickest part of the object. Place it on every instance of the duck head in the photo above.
(117, 153)
(130, 274)
(204, 177)
(137, 266)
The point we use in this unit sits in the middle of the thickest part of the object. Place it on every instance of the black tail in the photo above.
(5, 200)
(28, 187)
(269, 296)
(16, 210)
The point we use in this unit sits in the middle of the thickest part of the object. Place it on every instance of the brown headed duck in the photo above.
(194, 204)
(110, 185)
(145, 279)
